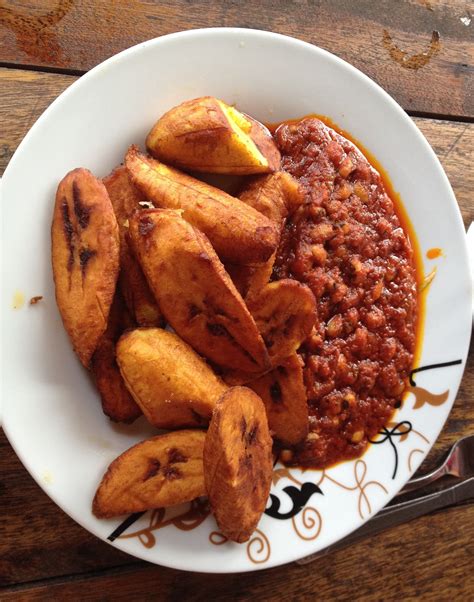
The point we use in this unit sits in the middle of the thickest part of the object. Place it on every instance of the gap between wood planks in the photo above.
(118, 569)
(70, 578)
(79, 72)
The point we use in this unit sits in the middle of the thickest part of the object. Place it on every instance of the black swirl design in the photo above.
(299, 498)
(400, 429)
(128, 522)
(431, 367)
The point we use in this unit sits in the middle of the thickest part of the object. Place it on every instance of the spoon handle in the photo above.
(403, 512)
(426, 479)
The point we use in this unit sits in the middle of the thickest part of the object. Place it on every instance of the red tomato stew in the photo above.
(348, 245)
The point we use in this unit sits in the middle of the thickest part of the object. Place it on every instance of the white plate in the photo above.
(51, 412)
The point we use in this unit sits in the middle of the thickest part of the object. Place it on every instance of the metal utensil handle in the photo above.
(423, 481)
(401, 513)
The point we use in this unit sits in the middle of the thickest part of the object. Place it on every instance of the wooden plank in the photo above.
(453, 142)
(430, 559)
(420, 51)
(38, 541)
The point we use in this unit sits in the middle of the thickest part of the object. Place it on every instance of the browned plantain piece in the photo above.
(236, 378)
(239, 233)
(194, 292)
(170, 382)
(205, 134)
(238, 462)
(117, 403)
(156, 473)
(284, 395)
(250, 279)
(126, 199)
(85, 256)
(285, 312)
(275, 195)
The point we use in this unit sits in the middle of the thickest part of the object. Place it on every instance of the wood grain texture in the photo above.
(452, 141)
(420, 51)
(430, 557)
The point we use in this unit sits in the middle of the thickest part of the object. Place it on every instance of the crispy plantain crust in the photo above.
(156, 473)
(239, 233)
(285, 313)
(117, 403)
(126, 199)
(238, 462)
(85, 257)
(283, 392)
(170, 382)
(205, 134)
(275, 195)
(250, 279)
(194, 292)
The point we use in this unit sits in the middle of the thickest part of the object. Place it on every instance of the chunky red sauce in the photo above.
(347, 244)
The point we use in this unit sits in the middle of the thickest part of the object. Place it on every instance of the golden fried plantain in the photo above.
(117, 403)
(236, 378)
(249, 279)
(156, 473)
(275, 195)
(285, 312)
(173, 386)
(85, 257)
(205, 134)
(194, 292)
(283, 392)
(238, 462)
(239, 233)
(126, 199)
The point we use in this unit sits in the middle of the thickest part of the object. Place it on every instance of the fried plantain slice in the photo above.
(236, 378)
(173, 386)
(85, 257)
(194, 292)
(156, 473)
(117, 403)
(126, 199)
(238, 462)
(249, 279)
(239, 233)
(275, 195)
(285, 312)
(283, 392)
(205, 134)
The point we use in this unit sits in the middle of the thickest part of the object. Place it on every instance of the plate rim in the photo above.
(255, 33)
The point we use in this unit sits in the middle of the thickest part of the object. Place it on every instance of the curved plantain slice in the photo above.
(205, 134)
(239, 233)
(194, 292)
(236, 378)
(117, 403)
(275, 195)
(250, 279)
(156, 473)
(283, 392)
(238, 462)
(285, 313)
(85, 256)
(173, 386)
(126, 199)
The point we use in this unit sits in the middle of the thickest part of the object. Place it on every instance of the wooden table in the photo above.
(422, 53)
